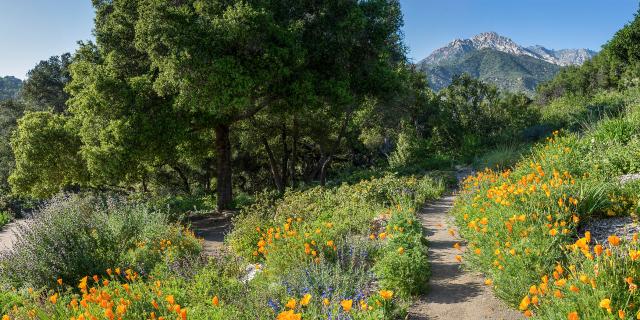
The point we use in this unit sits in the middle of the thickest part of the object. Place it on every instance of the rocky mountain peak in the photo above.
(498, 59)
(494, 41)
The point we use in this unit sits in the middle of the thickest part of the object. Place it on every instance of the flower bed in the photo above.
(522, 229)
(350, 252)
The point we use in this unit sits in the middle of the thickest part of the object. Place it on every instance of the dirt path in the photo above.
(454, 293)
(7, 234)
(212, 230)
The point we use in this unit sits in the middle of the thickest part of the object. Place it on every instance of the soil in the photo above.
(454, 293)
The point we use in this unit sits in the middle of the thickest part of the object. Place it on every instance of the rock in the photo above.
(252, 271)
(601, 229)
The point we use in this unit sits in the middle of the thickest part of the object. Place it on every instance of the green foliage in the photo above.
(619, 130)
(408, 150)
(574, 112)
(5, 217)
(47, 156)
(10, 112)
(474, 115)
(408, 272)
(403, 264)
(44, 88)
(339, 217)
(128, 235)
(500, 157)
(8, 300)
(75, 236)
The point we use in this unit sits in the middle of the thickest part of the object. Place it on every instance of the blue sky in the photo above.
(555, 24)
(33, 30)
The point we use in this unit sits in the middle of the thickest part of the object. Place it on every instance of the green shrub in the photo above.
(8, 300)
(74, 236)
(403, 262)
(408, 272)
(304, 237)
(575, 111)
(502, 157)
(5, 217)
(618, 129)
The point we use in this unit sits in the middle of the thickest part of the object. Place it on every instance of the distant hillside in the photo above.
(9, 87)
(496, 59)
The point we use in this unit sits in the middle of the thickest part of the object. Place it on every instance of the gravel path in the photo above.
(453, 292)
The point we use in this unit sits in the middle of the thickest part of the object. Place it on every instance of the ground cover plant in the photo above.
(351, 252)
(522, 223)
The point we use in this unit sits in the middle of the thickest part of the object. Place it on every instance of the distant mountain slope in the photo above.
(9, 87)
(498, 60)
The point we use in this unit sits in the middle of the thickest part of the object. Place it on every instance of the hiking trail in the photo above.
(453, 293)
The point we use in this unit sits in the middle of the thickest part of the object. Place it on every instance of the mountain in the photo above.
(499, 60)
(9, 87)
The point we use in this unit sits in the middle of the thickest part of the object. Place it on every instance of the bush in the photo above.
(303, 238)
(5, 217)
(408, 272)
(502, 157)
(72, 236)
(619, 130)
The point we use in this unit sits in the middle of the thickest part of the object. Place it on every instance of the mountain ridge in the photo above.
(499, 56)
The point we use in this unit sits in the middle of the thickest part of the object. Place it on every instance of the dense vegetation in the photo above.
(354, 250)
(110, 148)
(293, 103)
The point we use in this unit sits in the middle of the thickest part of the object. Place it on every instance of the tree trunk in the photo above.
(184, 178)
(285, 157)
(144, 183)
(326, 160)
(324, 165)
(223, 154)
(294, 153)
(275, 172)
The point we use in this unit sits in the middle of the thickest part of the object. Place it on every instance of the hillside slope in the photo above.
(9, 87)
(508, 72)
